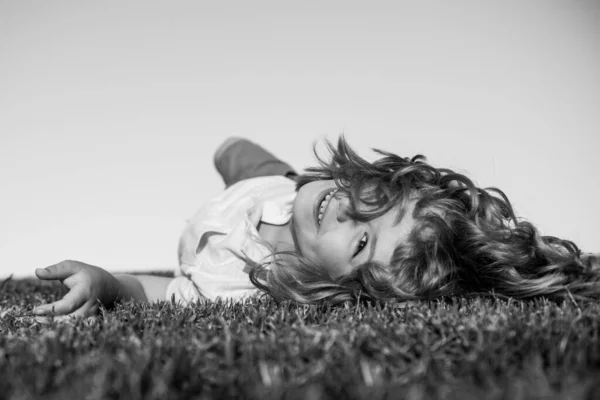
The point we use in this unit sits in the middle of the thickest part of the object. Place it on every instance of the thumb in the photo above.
(62, 270)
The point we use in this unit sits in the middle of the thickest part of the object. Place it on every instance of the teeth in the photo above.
(324, 204)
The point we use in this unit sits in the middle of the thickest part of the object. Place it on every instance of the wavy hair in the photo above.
(466, 240)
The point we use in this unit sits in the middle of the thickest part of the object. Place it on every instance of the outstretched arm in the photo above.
(90, 286)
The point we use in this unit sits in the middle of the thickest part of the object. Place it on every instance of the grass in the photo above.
(460, 349)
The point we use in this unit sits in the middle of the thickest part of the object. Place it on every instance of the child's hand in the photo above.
(88, 285)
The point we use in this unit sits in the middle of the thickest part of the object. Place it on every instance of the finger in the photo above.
(55, 319)
(69, 318)
(42, 320)
(72, 300)
(89, 313)
(62, 270)
(89, 309)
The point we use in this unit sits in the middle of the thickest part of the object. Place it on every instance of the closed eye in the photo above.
(362, 243)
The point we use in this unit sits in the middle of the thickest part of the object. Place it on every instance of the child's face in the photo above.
(337, 242)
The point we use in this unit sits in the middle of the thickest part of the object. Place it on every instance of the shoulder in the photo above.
(262, 187)
(236, 201)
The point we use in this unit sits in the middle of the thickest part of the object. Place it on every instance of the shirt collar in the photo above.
(275, 213)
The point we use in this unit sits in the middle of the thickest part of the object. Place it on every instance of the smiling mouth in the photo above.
(321, 206)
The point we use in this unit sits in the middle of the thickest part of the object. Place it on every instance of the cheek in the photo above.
(329, 252)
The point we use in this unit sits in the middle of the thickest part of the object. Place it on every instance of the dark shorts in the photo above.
(238, 158)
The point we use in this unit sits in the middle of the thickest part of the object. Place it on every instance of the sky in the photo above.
(110, 112)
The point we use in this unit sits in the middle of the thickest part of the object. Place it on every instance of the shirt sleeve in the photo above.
(183, 291)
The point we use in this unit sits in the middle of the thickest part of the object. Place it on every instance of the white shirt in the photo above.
(216, 240)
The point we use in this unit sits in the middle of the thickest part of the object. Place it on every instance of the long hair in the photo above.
(465, 241)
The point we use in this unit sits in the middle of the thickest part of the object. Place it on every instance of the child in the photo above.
(396, 228)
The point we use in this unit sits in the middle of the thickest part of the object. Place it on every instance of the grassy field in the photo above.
(461, 349)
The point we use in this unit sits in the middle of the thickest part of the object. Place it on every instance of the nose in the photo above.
(343, 207)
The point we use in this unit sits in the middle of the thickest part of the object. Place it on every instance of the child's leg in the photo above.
(237, 159)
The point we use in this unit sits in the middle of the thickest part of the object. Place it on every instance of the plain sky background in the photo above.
(110, 111)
